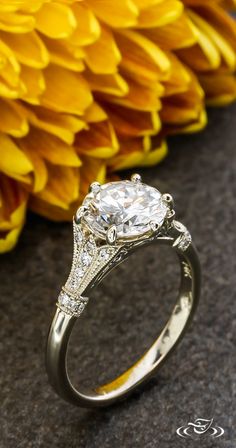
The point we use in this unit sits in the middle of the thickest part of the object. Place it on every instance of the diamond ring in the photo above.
(115, 220)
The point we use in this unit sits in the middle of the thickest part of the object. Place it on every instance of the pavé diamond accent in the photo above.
(129, 206)
(85, 258)
(185, 239)
(79, 272)
(104, 254)
(70, 305)
(78, 235)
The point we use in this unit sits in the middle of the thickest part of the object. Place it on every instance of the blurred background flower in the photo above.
(85, 86)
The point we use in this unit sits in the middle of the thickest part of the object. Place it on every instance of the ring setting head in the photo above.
(123, 211)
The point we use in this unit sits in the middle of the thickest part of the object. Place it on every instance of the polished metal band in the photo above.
(71, 304)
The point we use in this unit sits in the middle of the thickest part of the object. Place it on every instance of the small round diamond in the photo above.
(64, 299)
(90, 247)
(78, 236)
(104, 254)
(85, 258)
(79, 272)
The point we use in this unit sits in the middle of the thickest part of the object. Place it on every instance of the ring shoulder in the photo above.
(91, 260)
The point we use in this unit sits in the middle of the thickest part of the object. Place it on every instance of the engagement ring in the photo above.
(115, 220)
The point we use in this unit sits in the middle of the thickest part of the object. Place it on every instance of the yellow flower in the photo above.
(86, 85)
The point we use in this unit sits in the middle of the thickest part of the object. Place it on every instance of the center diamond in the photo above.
(129, 206)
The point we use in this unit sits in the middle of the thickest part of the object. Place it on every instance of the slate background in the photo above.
(199, 380)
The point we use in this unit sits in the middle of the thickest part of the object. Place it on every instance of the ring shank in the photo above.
(147, 365)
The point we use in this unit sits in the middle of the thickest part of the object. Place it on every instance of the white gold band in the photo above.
(93, 260)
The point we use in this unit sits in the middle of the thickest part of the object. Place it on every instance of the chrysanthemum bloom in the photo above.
(86, 85)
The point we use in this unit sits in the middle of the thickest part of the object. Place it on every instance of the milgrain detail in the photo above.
(93, 258)
(89, 259)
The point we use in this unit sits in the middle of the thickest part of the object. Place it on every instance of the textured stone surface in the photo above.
(123, 317)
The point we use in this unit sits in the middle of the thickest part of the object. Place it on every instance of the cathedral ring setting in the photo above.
(115, 220)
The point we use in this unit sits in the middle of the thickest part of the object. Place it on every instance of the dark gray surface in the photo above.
(199, 380)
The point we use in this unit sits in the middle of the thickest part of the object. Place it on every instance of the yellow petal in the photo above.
(119, 14)
(21, 5)
(13, 161)
(204, 55)
(61, 125)
(29, 6)
(226, 51)
(220, 20)
(93, 170)
(10, 71)
(12, 212)
(179, 78)
(11, 196)
(33, 81)
(12, 120)
(16, 23)
(62, 188)
(94, 113)
(141, 97)
(8, 56)
(141, 58)
(50, 148)
(55, 20)
(156, 154)
(52, 211)
(64, 54)
(40, 173)
(11, 92)
(184, 108)
(109, 84)
(160, 14)
(144, 4)
(11, 78)
(138, 123)
(104, 49)
(228, 4)
(220, 88)
(196, 126)
(28, 48)
(175, 115)
(138, 152)
(178, 34)
(65, 91)
(98, 141)
(88, 27)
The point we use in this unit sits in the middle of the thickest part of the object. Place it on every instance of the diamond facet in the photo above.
(70, 304)
(129, 206)
(104, 254)
(85, 258)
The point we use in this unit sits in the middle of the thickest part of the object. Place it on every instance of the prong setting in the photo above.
(130, 206)
(94, 187)
(168, 199)
(111, 234)
(170, 215)
(136, 178)
(80, 213)
(154, 226)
